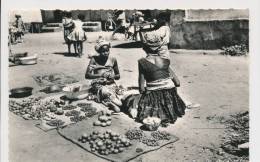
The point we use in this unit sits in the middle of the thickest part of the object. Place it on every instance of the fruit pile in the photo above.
(104, 119)
(105, 143)
(31, 108)
(88, 109)
(161, 135)
(134, 134)
(149, 140)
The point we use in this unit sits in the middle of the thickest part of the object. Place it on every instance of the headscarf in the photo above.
(155, 43)
(100, 43)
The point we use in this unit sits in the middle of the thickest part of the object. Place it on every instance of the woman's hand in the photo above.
(106, 75)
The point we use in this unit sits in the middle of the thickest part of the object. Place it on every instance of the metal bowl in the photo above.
(21, 92)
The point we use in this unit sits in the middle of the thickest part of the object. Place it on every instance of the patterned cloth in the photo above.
(101, 42)
(158, 41)
(164, 104)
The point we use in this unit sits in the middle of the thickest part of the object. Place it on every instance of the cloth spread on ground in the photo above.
(54, 79)
(121, 124)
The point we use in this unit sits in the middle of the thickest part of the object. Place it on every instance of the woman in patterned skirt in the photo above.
(157, 85)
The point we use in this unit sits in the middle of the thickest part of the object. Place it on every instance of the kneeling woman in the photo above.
(104, 69)
(159, 96)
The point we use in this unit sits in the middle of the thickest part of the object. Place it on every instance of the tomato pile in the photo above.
(151, 140)
(105, 143)
(104, 120)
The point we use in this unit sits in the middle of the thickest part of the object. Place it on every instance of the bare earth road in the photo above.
(218, 83)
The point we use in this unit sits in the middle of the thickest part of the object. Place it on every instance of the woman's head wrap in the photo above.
(154, 43)
(101, 42)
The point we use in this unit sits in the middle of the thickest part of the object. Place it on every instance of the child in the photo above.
(78, 35)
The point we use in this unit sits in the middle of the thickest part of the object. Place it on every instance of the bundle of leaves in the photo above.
(236, 50)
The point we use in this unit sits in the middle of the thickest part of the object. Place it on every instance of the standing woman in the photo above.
(158, 93)
(78, 35)
(67, 28)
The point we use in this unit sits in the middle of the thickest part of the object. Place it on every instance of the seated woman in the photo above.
(104, 69)
(159, 96)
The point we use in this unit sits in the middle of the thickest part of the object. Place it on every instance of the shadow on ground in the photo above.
(66, 54)
(129, 45)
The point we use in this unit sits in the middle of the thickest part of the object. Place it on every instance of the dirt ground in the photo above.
(218, 83)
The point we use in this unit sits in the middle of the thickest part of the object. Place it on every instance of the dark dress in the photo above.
(162, 103)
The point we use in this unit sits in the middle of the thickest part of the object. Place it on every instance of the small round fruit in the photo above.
(116, 151)
(100, 143)
(84, 136)
(103, 124)
(97, 123)
(108, 123)
(83, 140)
(120, 149)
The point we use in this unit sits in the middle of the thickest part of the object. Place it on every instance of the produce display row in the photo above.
(36, 108)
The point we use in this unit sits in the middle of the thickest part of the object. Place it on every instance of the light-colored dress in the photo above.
(78, 34)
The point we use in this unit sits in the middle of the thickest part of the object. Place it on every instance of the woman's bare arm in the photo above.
(89, 72)
(116, 71)
(141, 79)
(174, 78)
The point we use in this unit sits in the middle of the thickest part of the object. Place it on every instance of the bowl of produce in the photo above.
(21, 92)
(151, 123)
(72, 91)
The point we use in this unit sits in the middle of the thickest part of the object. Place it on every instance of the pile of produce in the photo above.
(88, 109)
(104, 120)
(77, 118)
(105, 143)
(69, 107)
(72, 113)
(31, 108)
(149, 140)
(161, 135)
(59, 111)
(55, 123)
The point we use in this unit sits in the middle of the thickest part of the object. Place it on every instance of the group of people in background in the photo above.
(74, 33)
